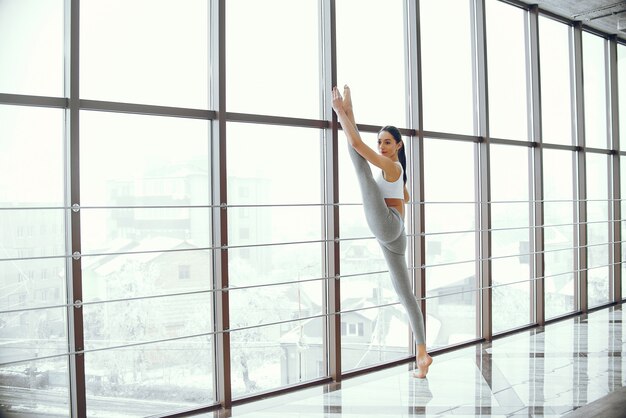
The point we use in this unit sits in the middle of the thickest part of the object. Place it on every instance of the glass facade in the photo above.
(450, 242)
(507, 67)
(559, 232)
(180, 223)
(557, 108)
(448, 96)
(510, 237)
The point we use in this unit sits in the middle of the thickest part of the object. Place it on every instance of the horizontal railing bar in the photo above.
(514, 228)
(514, 255)
(263, 205)
(65, 256)
(78, 352)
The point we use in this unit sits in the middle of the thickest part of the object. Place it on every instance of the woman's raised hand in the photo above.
(347, 99)
(338, 103)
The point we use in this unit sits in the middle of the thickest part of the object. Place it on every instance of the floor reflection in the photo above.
(541, 372)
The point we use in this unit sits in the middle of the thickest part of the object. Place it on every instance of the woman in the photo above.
(383, 202)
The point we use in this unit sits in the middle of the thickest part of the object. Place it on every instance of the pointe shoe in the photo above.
(422, 367)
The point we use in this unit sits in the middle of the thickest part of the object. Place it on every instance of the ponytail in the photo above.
(395, 132)
(402, 159)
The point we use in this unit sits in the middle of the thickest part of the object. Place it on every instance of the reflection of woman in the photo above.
(383, 202)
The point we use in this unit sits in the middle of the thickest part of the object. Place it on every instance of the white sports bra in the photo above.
(391, 189)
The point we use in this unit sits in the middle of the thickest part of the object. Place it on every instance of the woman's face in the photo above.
(387, 145)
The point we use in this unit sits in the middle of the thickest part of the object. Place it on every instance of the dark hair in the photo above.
(395, 132)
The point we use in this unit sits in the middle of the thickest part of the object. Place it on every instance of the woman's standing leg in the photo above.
(402, 284)
(401, 281)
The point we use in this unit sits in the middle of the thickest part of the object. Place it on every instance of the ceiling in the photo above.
(601, 15)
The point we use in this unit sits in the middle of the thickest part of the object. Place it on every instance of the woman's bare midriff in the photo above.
(397, 204)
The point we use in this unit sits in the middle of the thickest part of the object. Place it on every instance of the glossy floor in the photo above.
(548, 371)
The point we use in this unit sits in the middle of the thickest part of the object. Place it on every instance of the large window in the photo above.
(367, 294)
(144, 194)
(623, 224)
(447, 78)
(31, 47)
(33, 320)
(145, 51)
(598, 246)
(177, 228)
(510, 237)
(595, 91)
(559, 230)
(621, 85)
(273, 57)
(507, 70)
(274, 199)
(371, 59)
(450, 237)
(372, 62)
(556, 85)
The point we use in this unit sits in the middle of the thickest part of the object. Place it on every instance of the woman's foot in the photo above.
(423, 363)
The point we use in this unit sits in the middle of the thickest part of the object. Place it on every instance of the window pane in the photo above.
(145, 51)
(271, 357)
(449, 208)
(262, 171)
(384, 337)
(150, 379)
(555, 77)
(273, 165)
(31, 47)
(559, 232)
(273, 264)
(510, 238)
(32, 233)
(371, 60)
(31, 157)
(621, 86)
(32, 226)
(273, 57)
(35, 388)
(167, 165)
(447, 79)
(362, 288)
(31, 283)
(623, 223)
(146, 239)
(130, 160)
(111, 277)
(365, 282)
(594, 73)
(154, 373)
(598, 229)
(507, 71)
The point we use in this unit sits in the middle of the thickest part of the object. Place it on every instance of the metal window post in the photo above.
(580, 185)
(537, 220)
(615, 233)
(483, 192)
(219, 201)
(331, 192)
(416, 219)
(78, 398)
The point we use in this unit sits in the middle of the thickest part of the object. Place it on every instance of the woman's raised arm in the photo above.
(345, 115)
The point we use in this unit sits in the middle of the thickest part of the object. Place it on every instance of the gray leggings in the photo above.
(388, 227)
